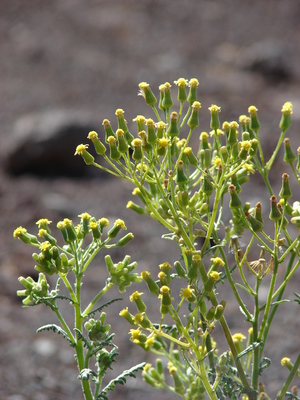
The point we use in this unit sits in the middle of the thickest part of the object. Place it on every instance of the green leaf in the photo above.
(92, 313)
(121, 379)
(56, 329)
(249, 349)
(86, 373)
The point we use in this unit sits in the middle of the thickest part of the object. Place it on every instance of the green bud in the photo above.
(192, 96)
(152, 285)
(126, 314)
(204, 141)
(287, 111)
(214, 119)
(235, 182)
(125, 239)
(135, 207)
(180, 175)
(179, 269)
(151, 131)
(210, 313)
(140, 305)
(258, 215)
(245, 136)
(87, 157)
(193, 121)
(191, 156)
(289, 156)
(232, 137)
(224, 154)
(118, 225)
(98, 145)
(253, 149)
(256, 225)
(122, 143)
(71, 232)
(207, 158)
(137, 154)
(147, 93)
(207, 186)
(254, 122)
(195, 266)
(285, 192)
(165, 296)
(235, 202)
(108, 130)
(275, 214)
(167, 101)
(173, 130)
(219, 311)
(181, 83)
(114, 152)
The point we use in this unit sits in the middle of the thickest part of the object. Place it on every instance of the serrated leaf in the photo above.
(56, 329)
(245, 315)
(80, 336)
(86, 373)
(280, 301)
(92, 313)
(121, 379)
(265, 362)
(249, 349)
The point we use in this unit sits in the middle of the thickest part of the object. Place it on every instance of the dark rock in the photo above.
(44, 144)
(269, 58)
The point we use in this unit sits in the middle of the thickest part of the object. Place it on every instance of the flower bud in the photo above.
(71, 232)
(178, 385)
(180, 175)
(287, 111)
(194, 267)
(137, 154)
(160, 129)
(81, 151)
(204, 141)
(212, 279)
(162, 146)
(181, 83)
(192, 96)
(207, 186)
(135, 207)
(140, 305)
(108, 130)
(122, 143)
(245, 147)
(275, 214)
(114, 152)
(118, 225)
(232, 136)
(289, 156)
(258, 215)
(152, 285)
(151, 131)
(219, 311)
(98, 145)
(285, 192)
(179, 269)
(22, 234)
(173, 128)
(140, 120)
(125, 239)
(193, 121)
(253, 149)
(224, 154)
(207, 158)
(214, 120)
(191, 156)
(210, 313)
(235, 182)
(126, 314)
(147, 93)
(235, 202)
(167, 101)
(256, 225)
(254, 122)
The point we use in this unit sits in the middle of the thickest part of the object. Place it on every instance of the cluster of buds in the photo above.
(97, 330)
(34, 291)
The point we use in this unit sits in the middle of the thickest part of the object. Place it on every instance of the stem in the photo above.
(96, 298)
(289, 379)
(256, 352)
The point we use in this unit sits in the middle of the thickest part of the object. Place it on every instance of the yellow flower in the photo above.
(42, 232)
(217, 261)
(136, 142)
(203, 135)
(249, 168)
(287, 108)
(216, 161)
(119, 111)
(193, 82)
(187, 292)
(246, 145)
(285, 361)
(160, 125)
(252, 110)
(103, 222)
(214, 275)
(214, 109)
(42, 222)
(121, 224)
(85, 215)
(238, 337)
(80, 149)
(135, 296)
(93, 225)
(149, 342)
(219, 132)
(135, 333)
(92, 135)
(45, 246)
(19, 231)
(181, 82)
(67, 223)
(139, 118)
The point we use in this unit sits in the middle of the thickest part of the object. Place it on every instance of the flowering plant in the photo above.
(193, 195)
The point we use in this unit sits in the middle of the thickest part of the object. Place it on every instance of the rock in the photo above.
(268, 58)
(44, 144)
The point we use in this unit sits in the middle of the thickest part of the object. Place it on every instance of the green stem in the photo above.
(256, 355)
(96, 298)
(289, 379)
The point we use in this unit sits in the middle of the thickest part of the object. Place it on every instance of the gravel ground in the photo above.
(90, 56)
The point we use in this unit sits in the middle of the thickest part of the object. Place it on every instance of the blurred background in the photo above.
(65, 65)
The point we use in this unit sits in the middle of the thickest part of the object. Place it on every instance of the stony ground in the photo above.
(88, 57)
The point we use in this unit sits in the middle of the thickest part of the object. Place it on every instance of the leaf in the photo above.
(81, 337)
(264, 363)
(121, 379)
(249, 348)
(57, 329)
(86, 373)
(92, 313)
(280, 301)
(298, 298)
